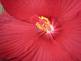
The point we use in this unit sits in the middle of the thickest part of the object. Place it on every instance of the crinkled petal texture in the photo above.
(21, 41)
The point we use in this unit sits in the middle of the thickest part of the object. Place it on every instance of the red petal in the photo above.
(23, 9)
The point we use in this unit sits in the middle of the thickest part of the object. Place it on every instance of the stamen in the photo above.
(44, 25)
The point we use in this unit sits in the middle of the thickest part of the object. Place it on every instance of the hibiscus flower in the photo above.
(40, 30)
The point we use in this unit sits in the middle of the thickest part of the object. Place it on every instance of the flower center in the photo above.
(44, 25)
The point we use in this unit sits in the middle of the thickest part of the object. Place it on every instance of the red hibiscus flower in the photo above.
(40, 30)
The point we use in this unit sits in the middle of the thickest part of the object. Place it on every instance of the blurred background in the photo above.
(1, 8)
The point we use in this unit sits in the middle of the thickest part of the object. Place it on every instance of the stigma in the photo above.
(44, 24)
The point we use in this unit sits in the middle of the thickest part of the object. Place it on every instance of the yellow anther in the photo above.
(39, 26)
(45, 26)
(46, 20)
